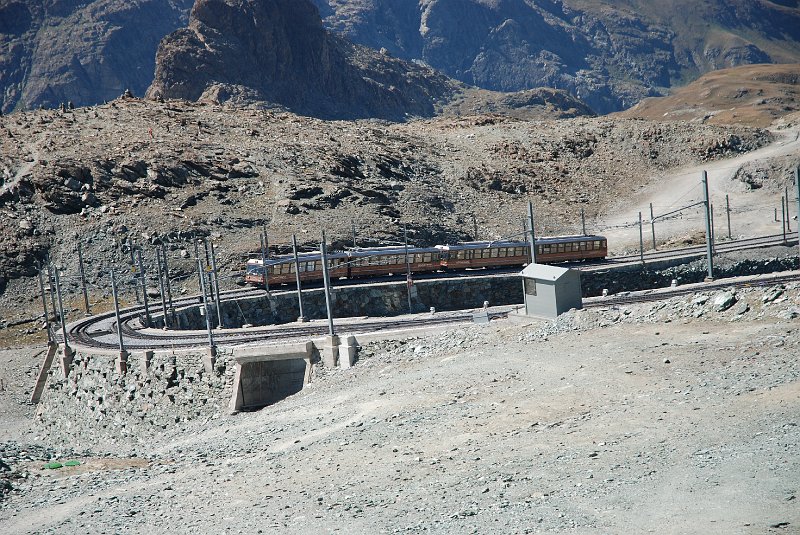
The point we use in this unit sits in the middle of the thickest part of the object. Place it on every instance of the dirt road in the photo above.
(752, 210)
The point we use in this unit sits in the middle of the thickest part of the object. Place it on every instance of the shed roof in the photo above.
(544, 272)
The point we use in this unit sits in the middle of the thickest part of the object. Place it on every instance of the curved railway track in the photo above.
(100, 331)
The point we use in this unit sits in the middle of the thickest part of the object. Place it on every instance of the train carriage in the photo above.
(385, 260)
(571, 248)
(516, 253)
(484, 254)
(281, 269)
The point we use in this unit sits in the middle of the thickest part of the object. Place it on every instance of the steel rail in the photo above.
(665, 294)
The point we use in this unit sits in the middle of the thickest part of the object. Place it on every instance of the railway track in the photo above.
(100, 331)
(660, 295)
(697, 251)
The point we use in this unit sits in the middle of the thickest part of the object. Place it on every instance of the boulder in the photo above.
(724, 301)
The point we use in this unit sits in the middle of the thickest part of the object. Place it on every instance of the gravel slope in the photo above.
(576, 426)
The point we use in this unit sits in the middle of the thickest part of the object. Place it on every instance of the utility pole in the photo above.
(409, 282)
(728, 212)
(207, 314)
(783, 218)
(61, 311)
(44, 306)
(161, 288)
(83, 280)
(797, 185)
(713, 228)
(709, 249)
(209, 273)
(355, 246)
(166, 277)
(641, 239)
(302, 317)
(51, 280)
(788, 217)
(583, 221)
(474, 228)
(653, 225)
(264, 261)
(216, 286)
(144, 287)
(326, 280)
(116, 313)
(531, 233)
(133, 267)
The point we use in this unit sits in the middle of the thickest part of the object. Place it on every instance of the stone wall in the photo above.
(638, 277)
(96, 406)
(385, 299)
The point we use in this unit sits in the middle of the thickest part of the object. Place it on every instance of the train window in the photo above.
(597, 244)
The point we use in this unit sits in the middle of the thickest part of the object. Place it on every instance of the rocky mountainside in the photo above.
(80, 51)
(145, 171)
(609, 53)
(756, 95)
(277, 51)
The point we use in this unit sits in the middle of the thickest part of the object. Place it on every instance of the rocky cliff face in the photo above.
(277, 51)
(81, 51)
(611, 54)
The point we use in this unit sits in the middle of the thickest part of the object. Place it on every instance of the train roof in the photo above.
(302, 257)
(543, 240)
(394, 250)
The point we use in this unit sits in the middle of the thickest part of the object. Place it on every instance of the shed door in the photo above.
(530, 286)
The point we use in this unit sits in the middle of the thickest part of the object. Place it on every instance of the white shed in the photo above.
(551, 290)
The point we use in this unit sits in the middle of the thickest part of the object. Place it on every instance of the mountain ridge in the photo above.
(277, 53)
(610, 54)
